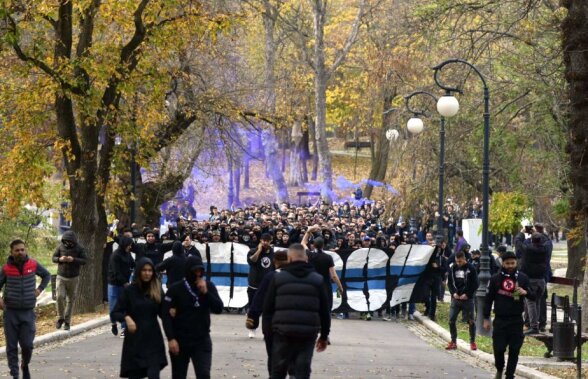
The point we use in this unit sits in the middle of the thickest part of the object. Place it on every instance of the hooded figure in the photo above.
(74, 256)
(188, 333)
(69, 256)
(174, 266)
(120, 268)
(143, 353)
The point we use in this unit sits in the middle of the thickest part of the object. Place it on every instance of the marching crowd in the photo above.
(290, 292)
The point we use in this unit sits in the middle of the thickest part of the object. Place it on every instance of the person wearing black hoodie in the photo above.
(298, 301)
(534, 264)
(69, 256)
(506, 291)
(187, 247)
(256, 308)
(463, 283)
(120, 268)
(186, 321)
(152, 249)
(139, 306)
(174, 266)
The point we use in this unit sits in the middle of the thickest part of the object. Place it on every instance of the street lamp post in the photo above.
(415, 123)
(448, 106)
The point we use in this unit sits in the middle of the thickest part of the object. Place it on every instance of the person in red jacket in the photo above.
(17, 277)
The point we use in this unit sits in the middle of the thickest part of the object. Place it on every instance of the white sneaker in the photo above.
(252, 334)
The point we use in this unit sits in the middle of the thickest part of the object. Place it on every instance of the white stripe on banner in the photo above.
(374, 278)
(408, 263)
(339, 268)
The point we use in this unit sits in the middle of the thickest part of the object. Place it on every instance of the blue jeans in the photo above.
(114, 293)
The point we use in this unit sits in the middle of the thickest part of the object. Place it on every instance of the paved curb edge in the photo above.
(61, 335)
(464, 347)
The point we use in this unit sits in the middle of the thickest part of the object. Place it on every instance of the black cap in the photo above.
(501, 249)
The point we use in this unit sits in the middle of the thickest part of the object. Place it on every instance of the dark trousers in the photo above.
(467, 309)
(151, 373)
(250, 295)
(19, 329)
(291, 351)
(507, 332)
(543, 310)
(201, 356)
(433, 285)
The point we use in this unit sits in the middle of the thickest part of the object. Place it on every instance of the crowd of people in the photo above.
(290, 292)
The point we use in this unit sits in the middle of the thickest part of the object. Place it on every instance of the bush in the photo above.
(41, 240)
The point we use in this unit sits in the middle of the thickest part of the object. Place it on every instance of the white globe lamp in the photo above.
(415, 125)
(447, 106)
(392, 135)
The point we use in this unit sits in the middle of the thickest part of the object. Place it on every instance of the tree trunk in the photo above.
(321, 76)
(575, 47)
(269, 136)
(304, 155)
(89, 224)
(380, 162)
(237, 185)
(312, 135)
(246, 161)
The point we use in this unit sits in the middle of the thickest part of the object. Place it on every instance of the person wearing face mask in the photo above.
(139, 306)
(506, 292)
(17, 277)
(186, 321)
(69, 256)
(120, 268)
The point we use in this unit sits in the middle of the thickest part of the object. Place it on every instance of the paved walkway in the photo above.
(360, 349)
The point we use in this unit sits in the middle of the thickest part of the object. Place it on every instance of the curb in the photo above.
(61, 335)
(462, 346)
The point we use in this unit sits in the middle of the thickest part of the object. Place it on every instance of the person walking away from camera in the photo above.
(534, 265)
(174, 266)
(186, 321)
(120, 269)
(298, 301)
(256, 308)
(260, 263)
(18, 279)
(548, 274)
(460, 240)
(139, 306)
(323, 263)
(506, 292)
(463, 283)
(69, 256)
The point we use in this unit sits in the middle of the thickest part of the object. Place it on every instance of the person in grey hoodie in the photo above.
(69, 256)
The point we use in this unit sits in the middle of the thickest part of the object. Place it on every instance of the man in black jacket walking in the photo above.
(506, 291)
(298, 301)
(462, 283)
(186, 320)
(120, 268)
(69, 256)
(534, 264)
(174, 266)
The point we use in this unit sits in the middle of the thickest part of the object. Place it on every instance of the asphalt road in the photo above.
(359, 349)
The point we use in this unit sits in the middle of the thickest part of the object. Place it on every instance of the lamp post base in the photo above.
(480, 303)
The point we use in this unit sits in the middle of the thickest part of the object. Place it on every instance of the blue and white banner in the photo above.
(406, 266)
(371, 277)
